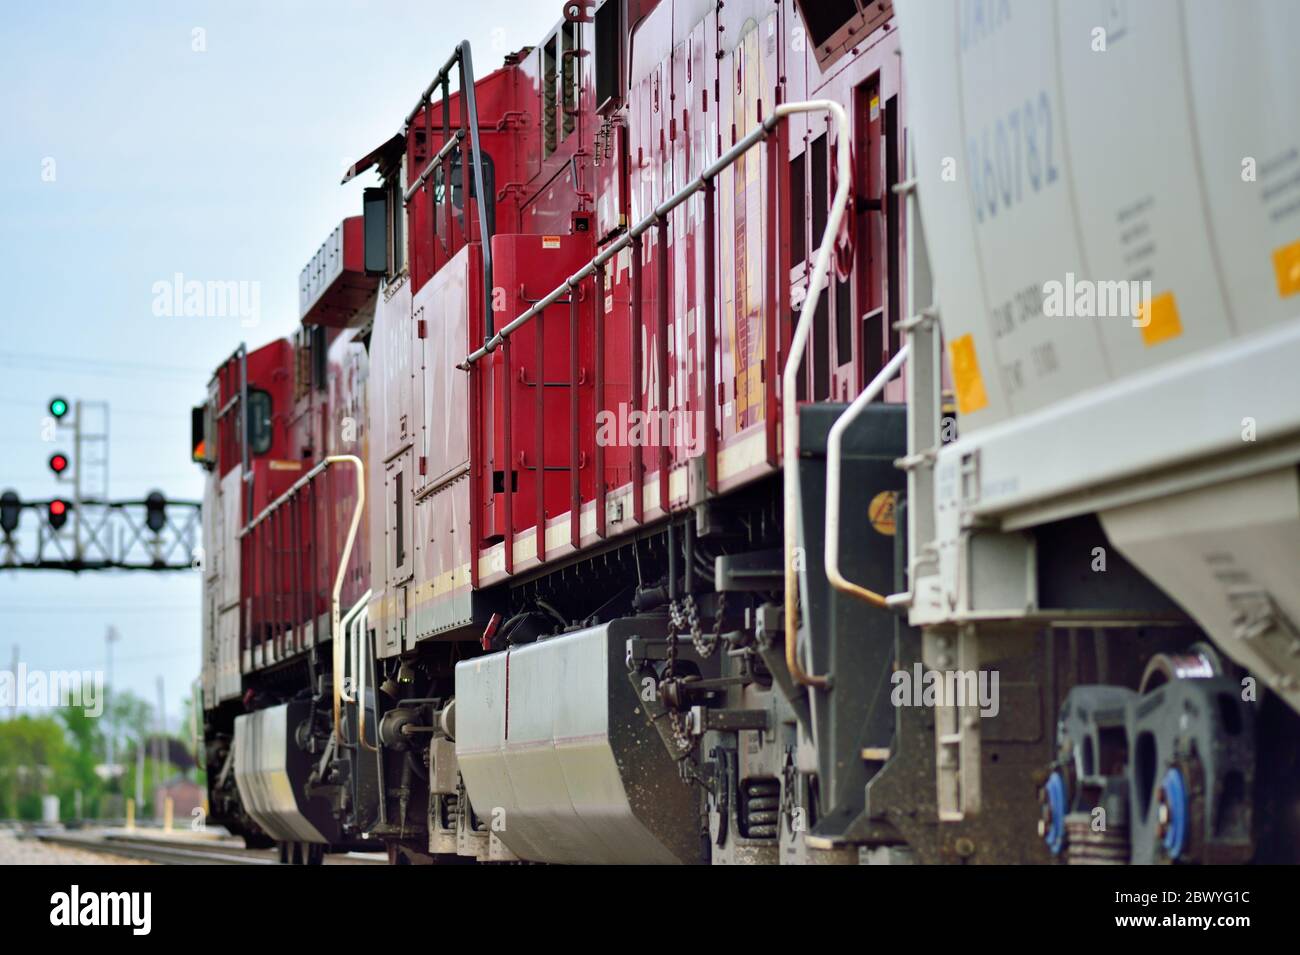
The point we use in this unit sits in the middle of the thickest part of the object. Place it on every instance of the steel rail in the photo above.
(162, 853)
(179, 851)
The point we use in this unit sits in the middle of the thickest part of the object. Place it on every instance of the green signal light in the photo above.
(58, 407)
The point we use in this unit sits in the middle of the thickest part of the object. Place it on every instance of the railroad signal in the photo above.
(10, 509)
(58, 463)
(58, 407)
(57, 512)
(155, 506)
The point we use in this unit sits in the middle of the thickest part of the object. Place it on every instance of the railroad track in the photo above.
(183, 851)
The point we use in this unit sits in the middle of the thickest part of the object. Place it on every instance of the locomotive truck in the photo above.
(784, 431)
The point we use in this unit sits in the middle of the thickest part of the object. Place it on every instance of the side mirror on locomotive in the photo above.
(374, 210)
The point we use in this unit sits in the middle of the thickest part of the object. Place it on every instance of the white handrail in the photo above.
(834, 443)
(363, 638)
(798, 344)
(335, 633)
(346, 624)
(357, 509)
(356, 625)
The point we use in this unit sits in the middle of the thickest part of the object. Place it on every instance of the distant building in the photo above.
(186, 797)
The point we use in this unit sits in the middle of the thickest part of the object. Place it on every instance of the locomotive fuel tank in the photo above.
(290, 781)
(270, 771)
(559, 758)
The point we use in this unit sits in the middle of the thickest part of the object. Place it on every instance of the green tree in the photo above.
(76, 769)
(65, 752)
(34, 753)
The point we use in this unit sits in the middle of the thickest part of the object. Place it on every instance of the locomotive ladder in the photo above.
(957, 737)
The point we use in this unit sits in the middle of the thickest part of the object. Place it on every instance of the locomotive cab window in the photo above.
(609, 52)
(458, 188)
(259, 421)
(319, 358)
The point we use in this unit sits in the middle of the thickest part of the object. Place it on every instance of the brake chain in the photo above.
(685, 618)
(678, 622)
(707, 645)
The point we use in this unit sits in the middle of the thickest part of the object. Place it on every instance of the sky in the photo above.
(139, 140)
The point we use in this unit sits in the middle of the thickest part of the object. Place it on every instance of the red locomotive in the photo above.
(552, 345)
(508, 547)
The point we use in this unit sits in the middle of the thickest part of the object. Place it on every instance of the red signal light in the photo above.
(57, 513)
(58, 462)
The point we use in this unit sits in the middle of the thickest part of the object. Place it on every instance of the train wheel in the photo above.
(291, 853)
(302, 853)
(258, 841)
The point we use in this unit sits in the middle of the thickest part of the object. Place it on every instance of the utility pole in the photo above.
(161, 743)
(81, 437)
(196, 700)
(14, 671)
(110, 637)
(139, 774)
(76, 482)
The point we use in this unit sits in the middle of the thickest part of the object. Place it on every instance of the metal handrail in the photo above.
(303, 481)
(355, 626)
(346, 624)
(798, 344)
(834, 456)
(634, 233)
(789, 396)
(438, 157)
(363, 636)
(463, 59)
(343, 567)
(357, 509)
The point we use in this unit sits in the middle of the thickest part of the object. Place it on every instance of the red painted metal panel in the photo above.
(532, 445)
(333, 286)
(522, 424)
